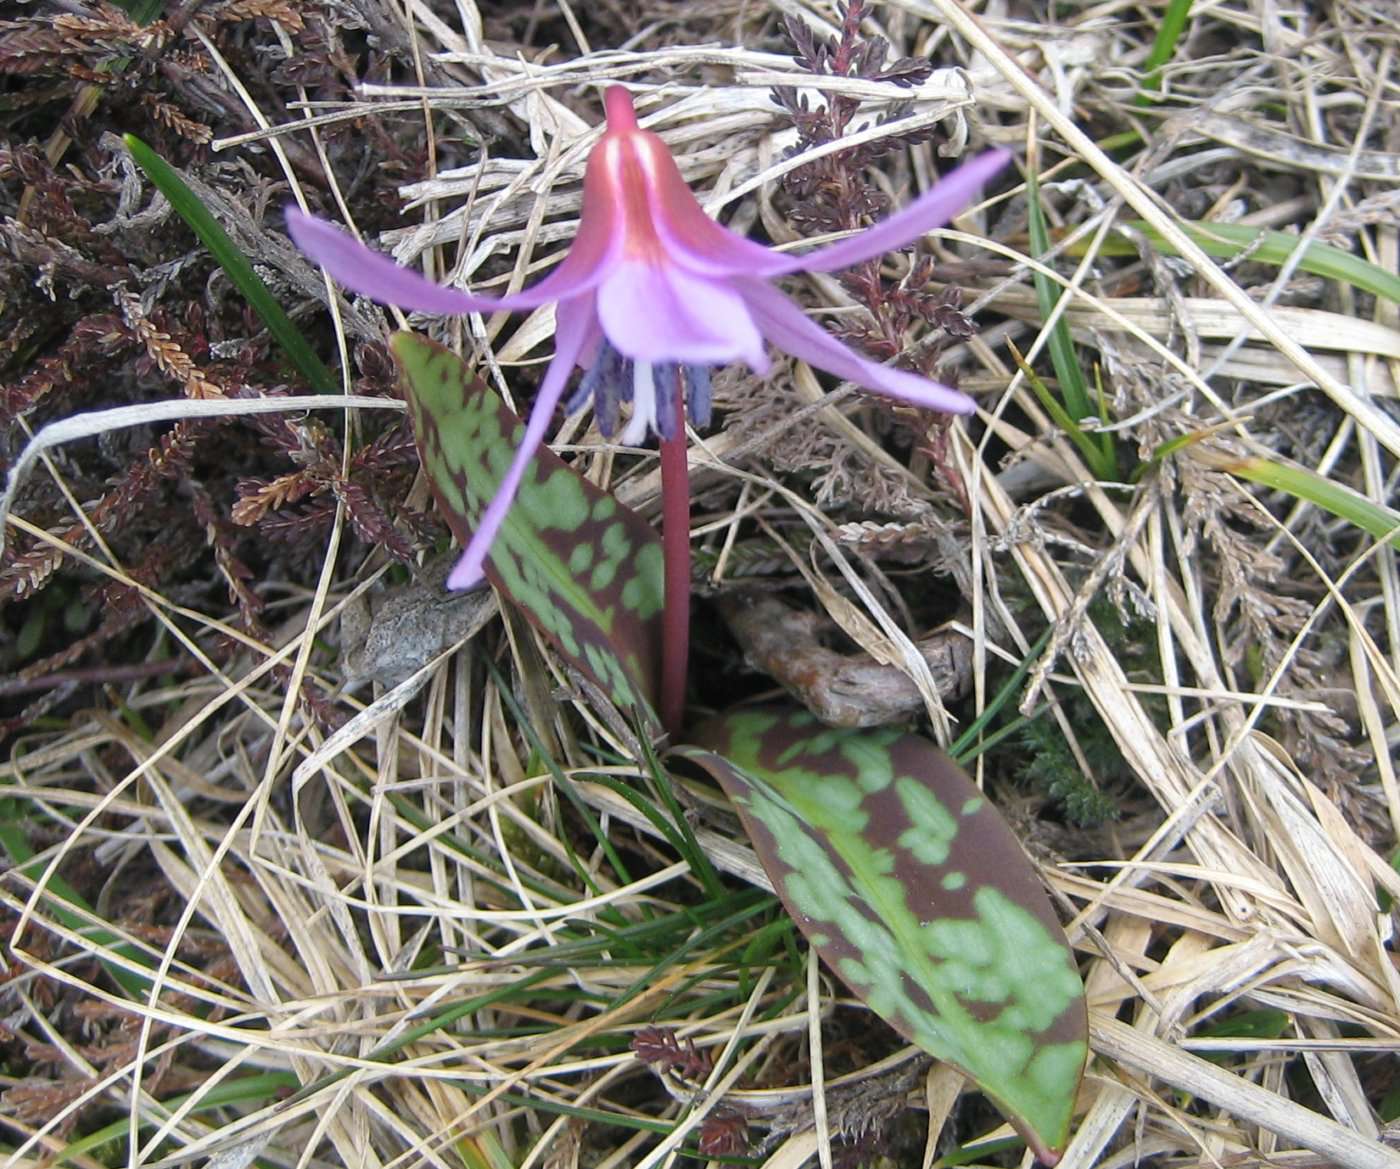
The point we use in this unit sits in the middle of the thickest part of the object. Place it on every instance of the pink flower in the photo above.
(654, 290)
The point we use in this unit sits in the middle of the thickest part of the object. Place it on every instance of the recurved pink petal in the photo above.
(376, 276)
(693, 239)
(574, 322)
(661, 312)
(953, 192)
(789, 328)
(632, 169)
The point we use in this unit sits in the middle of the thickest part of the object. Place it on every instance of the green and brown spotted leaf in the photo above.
(583, 569)
(912, 887)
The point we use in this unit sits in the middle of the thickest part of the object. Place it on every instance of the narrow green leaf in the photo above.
(67, 905)
(212, 235)
(911, 886)
(981, 1153)
(1301, 483)
(966, 746)
(1091, 449)
(528, 1102)
(260, 1088)
(687, 844)
(1163, 47)
(1229, 241)
(1382, 896)
(1263, 1023)
(584, 570)
(1098, 449)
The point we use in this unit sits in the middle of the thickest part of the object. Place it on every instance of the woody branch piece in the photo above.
(844, 690)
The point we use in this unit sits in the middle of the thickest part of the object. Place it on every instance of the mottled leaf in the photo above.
(911, 887)
(583, 569)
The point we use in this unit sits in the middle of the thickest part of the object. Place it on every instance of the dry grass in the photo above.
(294, 898)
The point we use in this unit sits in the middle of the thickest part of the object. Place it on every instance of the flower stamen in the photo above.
(696, 379)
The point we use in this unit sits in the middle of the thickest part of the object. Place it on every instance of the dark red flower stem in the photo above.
(675, 544)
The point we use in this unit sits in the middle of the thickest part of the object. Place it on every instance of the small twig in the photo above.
(94, 675)
(841, 690)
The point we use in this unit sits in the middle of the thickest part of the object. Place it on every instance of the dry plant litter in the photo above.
(328, 919)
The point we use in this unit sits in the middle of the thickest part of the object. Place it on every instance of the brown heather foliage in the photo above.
(113, 301)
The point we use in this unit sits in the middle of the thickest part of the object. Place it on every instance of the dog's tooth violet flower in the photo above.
(654, 290)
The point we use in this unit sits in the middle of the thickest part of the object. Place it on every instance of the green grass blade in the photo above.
(1000, 735)
(1061, 345)
(695, 943)
(694, 855)
(566, 786)
(1261, 1023)
(1229, 241)
(1379, 522)
(255, 1089)
(442, 1019)
(67, 905)
(962, 747)
(981, 1153)
(641, 941)
(1091, 451)
(1163, 48)
(1098, 449)
(188, 206)
(675, 830)
(539, 1102)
